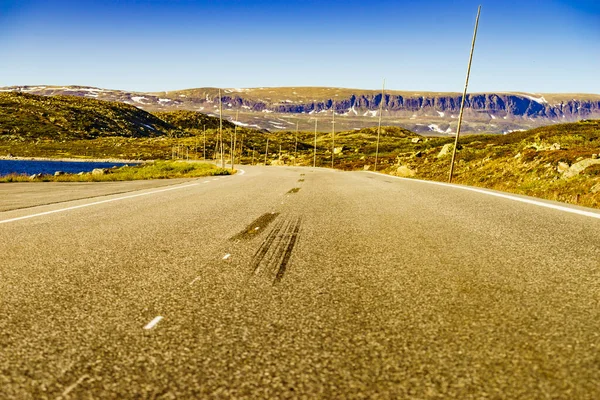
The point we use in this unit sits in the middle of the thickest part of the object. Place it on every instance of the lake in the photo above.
(30, 167)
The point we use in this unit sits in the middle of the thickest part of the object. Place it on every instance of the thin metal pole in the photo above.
(296, 146)
(266, 151)
(315, 149)
(204, 143)
(253, 152)
(241, 149)
(221, 130)
(462, 103)
(379, 124)
(234, 139)
(333, 135)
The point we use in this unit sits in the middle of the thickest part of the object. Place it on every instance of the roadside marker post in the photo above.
(462, 103)
(266, 151)
(332, 134)
(296, 146)
(379, 124)
(315, 149)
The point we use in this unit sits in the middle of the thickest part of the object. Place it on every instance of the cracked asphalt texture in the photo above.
(393, 289)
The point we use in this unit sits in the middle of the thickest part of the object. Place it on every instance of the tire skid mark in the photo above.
(256, 227)
(288, 251)
(273, 256)
(265, 246)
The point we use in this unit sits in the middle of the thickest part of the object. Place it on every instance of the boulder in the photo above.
(579, 167)
(338, 150)
(416, 140)
(367, 167)
(98, 171)
(59, 173)
(562, 167)
(445, 150)
(405, 171)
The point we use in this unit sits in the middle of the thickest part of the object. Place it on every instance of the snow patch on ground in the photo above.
(540, 100)
(267, 111)
(246, 107)
(164, 100)
(436, 128)
(371, 113)
(493, 117)
(441, 114)
(139, 99)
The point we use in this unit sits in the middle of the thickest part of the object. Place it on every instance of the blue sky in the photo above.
(154, 45)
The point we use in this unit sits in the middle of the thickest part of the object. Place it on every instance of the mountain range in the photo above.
(276, 109)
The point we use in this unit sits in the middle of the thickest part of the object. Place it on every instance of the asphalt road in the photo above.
(296, 283)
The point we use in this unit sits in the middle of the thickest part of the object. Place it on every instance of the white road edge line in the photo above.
(96, 203)
(153, 323)
(501, 195)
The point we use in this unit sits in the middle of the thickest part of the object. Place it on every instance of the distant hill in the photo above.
(59, 117)
(68, 117)
(430, 113)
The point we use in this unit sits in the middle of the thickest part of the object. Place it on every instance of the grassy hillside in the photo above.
(68, 117)
(191, 120)
(558, 162)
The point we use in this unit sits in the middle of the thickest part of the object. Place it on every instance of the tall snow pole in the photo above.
(221, 130)
(379, 124)
(315, 149)
(333, 134)
(237, 113)
(204, 143)
(296, 146)
(266, 151)
(462, 103)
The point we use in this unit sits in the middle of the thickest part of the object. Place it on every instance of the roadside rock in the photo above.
(555, 146)
(579, 167)
(562, 167)
(416, 140)
(98, 171)
(35, 176)
(59, 173)
(445, 150)
(367, 167)
(338, 150)
(405, 171)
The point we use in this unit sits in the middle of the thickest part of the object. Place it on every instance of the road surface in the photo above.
(295, 283)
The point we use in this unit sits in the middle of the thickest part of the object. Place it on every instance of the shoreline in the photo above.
(62, 159)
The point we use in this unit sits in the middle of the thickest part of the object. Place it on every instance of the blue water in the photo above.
(31, 167)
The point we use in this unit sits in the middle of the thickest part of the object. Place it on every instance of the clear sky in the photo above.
(155, 45)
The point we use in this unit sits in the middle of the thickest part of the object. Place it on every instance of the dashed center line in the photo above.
(194, 281)
(153, 323)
